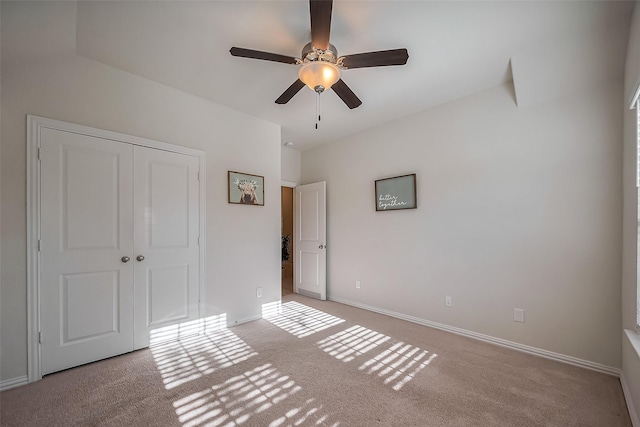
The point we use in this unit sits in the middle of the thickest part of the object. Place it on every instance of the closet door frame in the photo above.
(34, 126)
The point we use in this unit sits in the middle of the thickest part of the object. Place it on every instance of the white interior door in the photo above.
(86, 289)
(310, 222)
(166, 244)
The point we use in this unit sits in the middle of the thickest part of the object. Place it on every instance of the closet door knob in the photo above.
(125, 259)
(140, 258)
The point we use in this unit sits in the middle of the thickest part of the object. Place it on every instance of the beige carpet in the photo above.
(321, 363)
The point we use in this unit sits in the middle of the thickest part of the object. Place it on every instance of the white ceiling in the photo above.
(455, 49)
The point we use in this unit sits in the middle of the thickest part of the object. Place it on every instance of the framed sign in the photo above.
(245, 189)
(396, 193)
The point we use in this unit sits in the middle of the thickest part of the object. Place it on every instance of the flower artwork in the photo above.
(246, 189)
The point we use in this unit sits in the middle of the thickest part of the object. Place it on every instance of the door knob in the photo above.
(321, 247)
(125, 259)
(140, 258)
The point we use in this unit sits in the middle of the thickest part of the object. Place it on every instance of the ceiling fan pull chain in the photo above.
(317, 109)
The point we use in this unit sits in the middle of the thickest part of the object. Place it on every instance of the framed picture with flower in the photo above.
(245, 189)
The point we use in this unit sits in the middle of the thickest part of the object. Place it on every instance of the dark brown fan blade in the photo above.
(346, 94)
(320, 11)
(376, 59)
(288, 94)
(258, 54)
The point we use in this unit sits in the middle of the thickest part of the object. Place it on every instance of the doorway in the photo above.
(287, 240)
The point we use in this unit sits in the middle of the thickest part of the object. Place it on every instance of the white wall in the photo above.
(630, 355)
(291, 165)
(517, 207)
(42, 75)
(0, 180)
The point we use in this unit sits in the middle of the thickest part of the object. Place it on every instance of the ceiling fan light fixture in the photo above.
(319, 75)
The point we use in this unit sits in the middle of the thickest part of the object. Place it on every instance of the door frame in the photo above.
(34, 126)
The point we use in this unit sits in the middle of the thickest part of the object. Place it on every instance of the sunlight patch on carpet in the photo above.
(192, 357)
(352, 342)
(298, 319)
(247, 396)
(308, 414)
(398, 364)
(185, 329)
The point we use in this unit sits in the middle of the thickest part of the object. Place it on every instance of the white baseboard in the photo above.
(14, 382)
(245, 320)
(489, 339)
(633, 413)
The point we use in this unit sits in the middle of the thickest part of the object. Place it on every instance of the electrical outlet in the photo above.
(448, 301)
(357, 284)
(518, 314)
(259, 293)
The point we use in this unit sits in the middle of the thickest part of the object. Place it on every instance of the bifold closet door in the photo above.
(166, 206)
(119, 258)
(86, 217)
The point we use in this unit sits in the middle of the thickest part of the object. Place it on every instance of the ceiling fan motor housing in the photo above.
(311, 54)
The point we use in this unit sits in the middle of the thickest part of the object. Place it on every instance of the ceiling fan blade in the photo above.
(290, 92)
(258, 54)
(376, 59)
(346, 94)
(320, 11)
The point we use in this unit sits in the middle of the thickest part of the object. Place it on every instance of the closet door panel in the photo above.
(166, 210)
(86, 290)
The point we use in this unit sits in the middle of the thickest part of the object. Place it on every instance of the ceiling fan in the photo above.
(320, 64)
